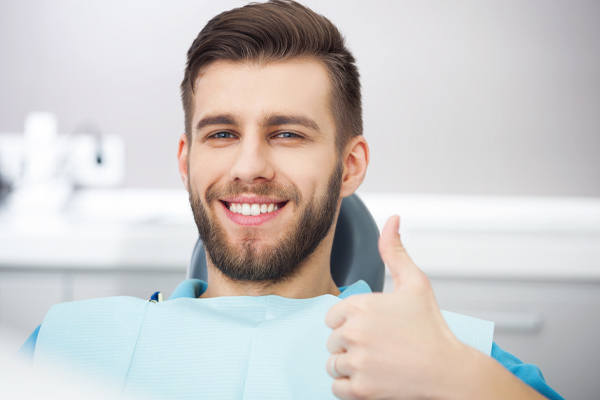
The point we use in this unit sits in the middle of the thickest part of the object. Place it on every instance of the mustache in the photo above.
(237, 188)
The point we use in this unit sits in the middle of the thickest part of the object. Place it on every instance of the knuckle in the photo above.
(352, 334)
(349, 335)
(354, 309)
(421, 284)
(352, 364)
(358, 305)
(393, 251)
(356, 361)
(399, 248)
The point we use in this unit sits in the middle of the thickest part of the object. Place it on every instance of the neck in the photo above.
(312, 279)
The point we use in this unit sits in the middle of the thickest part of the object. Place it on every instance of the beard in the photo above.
(245, 261)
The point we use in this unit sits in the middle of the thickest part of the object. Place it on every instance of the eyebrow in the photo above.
(221, 119)
(278, 119)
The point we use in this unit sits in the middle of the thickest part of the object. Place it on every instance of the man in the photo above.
(273, 143)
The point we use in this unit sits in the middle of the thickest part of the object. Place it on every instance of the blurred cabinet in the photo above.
(25, 299)
(27, 295)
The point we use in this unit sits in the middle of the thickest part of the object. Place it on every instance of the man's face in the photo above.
(263, 174)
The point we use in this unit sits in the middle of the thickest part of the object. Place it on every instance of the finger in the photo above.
(337, 314)
(340, 312)
(342, 366)
(394, 255)
(338, 366)
(331, 366)
(341, 389)
(336, 343)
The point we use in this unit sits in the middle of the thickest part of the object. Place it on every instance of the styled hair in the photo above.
(273, 31)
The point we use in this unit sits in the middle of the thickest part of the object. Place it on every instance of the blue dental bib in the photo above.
(266, 347)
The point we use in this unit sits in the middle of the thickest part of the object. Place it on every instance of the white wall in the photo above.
(462, 97)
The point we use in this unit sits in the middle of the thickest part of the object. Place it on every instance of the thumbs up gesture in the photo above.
(394, 345)
(398, 346)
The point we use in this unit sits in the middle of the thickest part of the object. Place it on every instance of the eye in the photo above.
(223, 135)
(287, 135)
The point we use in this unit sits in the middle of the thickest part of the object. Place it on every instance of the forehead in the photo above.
(251, 90)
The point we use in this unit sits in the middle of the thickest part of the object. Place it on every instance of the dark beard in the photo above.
(283, 259)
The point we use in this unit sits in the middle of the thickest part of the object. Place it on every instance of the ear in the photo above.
(356, 160)
(182, 158)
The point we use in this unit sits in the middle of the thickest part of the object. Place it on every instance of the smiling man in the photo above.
(273, 143)
(265, 176)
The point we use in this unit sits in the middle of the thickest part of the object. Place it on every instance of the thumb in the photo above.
(394, 255)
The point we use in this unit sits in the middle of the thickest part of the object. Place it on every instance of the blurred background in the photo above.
(483, 119)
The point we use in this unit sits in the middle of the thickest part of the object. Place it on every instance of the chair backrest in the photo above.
(354, 255)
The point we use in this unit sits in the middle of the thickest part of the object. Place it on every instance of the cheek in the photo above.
(308, 170)
(206, 168)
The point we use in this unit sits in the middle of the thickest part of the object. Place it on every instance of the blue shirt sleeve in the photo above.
(27, 350)
(528, 373)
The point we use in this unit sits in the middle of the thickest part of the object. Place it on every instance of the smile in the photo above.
(252, 210)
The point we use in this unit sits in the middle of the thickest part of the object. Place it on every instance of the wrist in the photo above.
(478, 376)
(461, 375)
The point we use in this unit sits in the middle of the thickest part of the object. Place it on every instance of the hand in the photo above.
(394, 345)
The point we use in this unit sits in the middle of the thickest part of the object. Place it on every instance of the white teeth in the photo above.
(245, 209)
(252, 209)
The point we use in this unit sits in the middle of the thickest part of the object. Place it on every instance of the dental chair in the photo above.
(354, 255)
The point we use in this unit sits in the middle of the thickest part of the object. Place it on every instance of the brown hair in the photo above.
(278, 30)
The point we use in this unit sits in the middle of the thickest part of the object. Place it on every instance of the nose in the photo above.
(252, 163)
